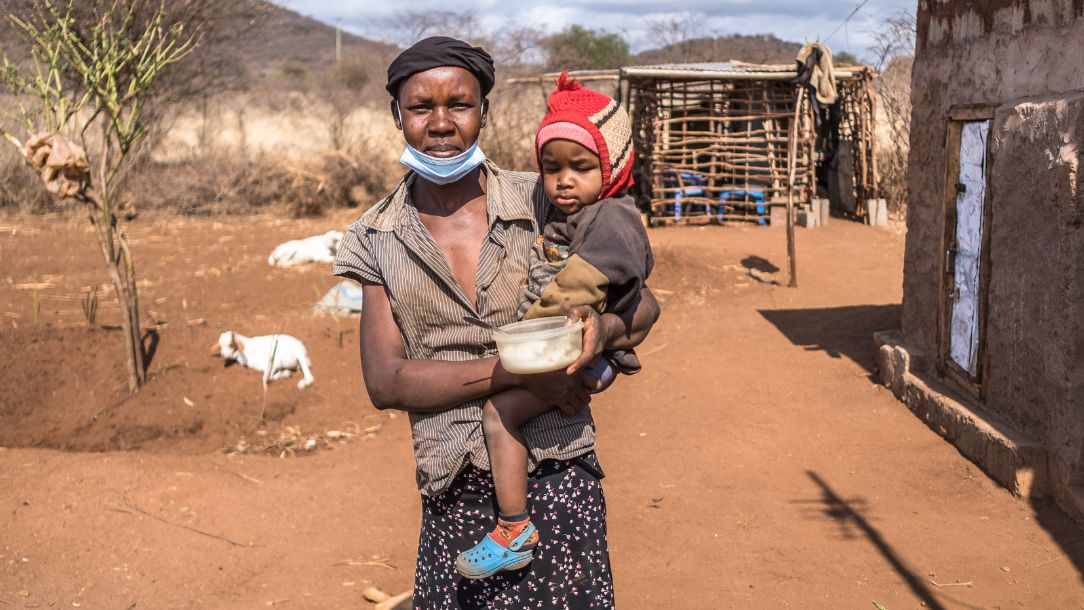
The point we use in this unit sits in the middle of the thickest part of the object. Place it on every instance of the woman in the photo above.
(452, 240)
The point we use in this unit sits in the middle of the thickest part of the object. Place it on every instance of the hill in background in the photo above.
(285, 38)
(759, 49)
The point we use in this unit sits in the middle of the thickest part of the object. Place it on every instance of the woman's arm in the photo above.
(395, 382)
(614, 331)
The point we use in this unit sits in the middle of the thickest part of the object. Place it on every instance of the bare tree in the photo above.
(676, 32)
(515, 45)
(893, 49)
(92, 79)
(408, 27)
(340, 87)
(893, 37)
(510, 44)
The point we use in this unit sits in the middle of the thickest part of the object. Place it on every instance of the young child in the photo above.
(594, 251)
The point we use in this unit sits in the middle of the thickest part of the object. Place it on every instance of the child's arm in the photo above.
(615, 243)
(610, 260)
(578, 283)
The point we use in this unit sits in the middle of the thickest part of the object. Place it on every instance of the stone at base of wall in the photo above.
(820, 208)
(777, 216)
(806, 219)
(1016, 463)
(877, 212)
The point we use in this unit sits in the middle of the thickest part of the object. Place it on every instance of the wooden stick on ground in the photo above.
(132, 509)
(1049, 561)
(952, 584)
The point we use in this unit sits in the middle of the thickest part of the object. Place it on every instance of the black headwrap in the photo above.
(438, 51)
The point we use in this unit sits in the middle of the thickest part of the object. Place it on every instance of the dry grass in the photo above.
(21, 188)
(514, 115)
(291, 441)
(243, 156)
(223, 184)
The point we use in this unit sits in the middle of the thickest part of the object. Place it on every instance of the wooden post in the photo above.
(792, 145)
(338, 42)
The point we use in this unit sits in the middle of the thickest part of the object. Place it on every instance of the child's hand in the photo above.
(593, 337)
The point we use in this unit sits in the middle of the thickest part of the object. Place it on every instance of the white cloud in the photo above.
(795, 20)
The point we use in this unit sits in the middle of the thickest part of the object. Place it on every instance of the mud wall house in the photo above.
(991, 352)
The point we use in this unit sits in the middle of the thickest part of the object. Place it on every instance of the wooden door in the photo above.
(966, 272)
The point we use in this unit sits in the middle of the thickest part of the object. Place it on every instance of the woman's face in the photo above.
(441, 111)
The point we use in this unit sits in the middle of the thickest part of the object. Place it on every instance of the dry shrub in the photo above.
(218, 183)
(514, 115)
(894, 46)
(21, 188)
(894, 137)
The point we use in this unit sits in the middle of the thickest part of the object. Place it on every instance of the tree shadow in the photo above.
(838, 331)
(756, 266)
(848, 513)
(150, 347)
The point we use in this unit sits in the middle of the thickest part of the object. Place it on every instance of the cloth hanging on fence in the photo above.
(815, 69)
(63, 165)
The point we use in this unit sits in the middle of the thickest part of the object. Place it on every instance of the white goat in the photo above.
(284, 354)
(315, 249)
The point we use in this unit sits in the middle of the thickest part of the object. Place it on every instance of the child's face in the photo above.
(571, 175)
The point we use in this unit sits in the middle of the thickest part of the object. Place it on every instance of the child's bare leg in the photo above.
(503, 418)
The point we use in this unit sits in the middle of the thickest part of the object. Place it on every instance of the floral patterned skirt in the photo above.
(571, 567)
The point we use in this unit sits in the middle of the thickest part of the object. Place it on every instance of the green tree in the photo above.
(578, 48)
(86, 86)
(843, 57)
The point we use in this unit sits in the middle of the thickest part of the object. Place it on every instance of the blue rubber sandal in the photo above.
(488, 557)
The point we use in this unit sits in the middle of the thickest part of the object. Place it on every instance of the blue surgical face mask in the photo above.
(442, 171)
(438, 170)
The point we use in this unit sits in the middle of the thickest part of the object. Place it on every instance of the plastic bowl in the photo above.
(540, 345)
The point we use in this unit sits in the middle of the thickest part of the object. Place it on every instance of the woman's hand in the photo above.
(594, 336)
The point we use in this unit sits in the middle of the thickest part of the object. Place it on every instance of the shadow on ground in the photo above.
(1068, 534)
(848, 332)
(758, 268)
(839, 331)
(850, 515)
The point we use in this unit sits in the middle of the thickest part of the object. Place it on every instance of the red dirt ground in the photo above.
(753, 464)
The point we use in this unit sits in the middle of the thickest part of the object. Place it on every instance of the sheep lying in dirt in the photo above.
(315, 249)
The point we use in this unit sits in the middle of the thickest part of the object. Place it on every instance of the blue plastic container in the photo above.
(756, 196)
(688, 184)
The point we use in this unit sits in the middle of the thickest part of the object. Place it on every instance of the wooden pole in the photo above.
(338, 42)
(792, 145)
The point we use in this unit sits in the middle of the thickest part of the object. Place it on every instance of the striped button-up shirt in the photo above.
(390, 246)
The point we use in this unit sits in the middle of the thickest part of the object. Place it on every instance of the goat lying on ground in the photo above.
(315, 249)
(284, 353)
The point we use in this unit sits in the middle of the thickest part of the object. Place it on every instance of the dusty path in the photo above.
(752, 465)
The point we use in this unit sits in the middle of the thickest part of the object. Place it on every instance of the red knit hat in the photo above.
(572, 110)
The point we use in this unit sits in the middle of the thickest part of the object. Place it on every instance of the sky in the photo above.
(794, 20)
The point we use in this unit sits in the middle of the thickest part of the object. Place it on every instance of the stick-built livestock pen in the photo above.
(718, 141)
